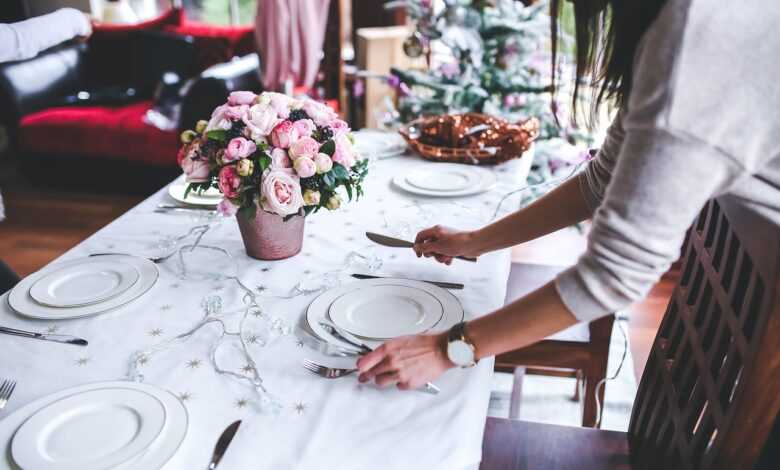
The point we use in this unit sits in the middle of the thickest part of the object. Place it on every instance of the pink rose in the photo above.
(304, 147)
(260, 120)
(280, 159)
(238, 148)
(226, 208)
(284, 135)
(320, 113)
(279, 102)
(323, 162)
(344, 154)
(305, 167)
(241, 97)
(281, 193)
(339, 127)
(196, 171)
(305, 127)
(219, 119)
(235, 113)
(229, 181)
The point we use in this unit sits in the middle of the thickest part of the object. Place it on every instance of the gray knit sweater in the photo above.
(703, 120)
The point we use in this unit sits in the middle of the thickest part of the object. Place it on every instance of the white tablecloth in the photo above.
(334, 424)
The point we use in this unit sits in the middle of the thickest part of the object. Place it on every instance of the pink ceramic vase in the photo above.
(269, 237)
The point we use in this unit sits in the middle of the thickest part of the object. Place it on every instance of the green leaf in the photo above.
(264, 161)
(329, 179)
(249, 212)
(187, 191)
(348, 187)
(217, 134)
(340, 172)
(328, 148)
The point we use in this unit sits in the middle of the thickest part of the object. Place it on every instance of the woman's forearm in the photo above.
(523, 322)
(560, 208)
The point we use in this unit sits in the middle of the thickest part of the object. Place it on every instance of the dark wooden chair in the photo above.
(581, 351)
(710, 393)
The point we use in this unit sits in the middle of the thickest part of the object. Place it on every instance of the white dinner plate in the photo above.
(448, 179)
(445, 180)
(158, 453)
(210, 197)
(94, 430)
(318, 309)
(87, 283)
(386, 311)
(19, 298)
(379, 144)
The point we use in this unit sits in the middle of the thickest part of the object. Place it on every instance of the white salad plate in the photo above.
(386, 311)
(452, 178)
(445, 180)
(378, 143)
(20, 300)
(84, 284)
(209, 197)
(319, 308)
(94, 430)
(153, 457)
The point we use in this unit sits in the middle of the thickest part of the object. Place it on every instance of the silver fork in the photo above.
(6, 389)
(153, 259)
(327, 372)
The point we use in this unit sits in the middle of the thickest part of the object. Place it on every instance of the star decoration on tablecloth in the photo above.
(219, 288)
(306, 272)
(83, 361)
(350, 239)
(260, 288)
(299, 343)
(265, 269)
(155, 332)
(166, 307)
(185, 396)
(143, 360)
(257, 313)
(194, 363)
(253, 339)
(247, 369)
(175, 285)
(393, 256)
(300, 407)
(241, 403)
(52, 329)
(110, 246)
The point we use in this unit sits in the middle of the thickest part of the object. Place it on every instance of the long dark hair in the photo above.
(607, 33)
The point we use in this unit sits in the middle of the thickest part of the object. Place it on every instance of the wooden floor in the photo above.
(42, 223)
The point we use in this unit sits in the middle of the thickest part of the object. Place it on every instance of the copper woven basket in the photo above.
(473, 138)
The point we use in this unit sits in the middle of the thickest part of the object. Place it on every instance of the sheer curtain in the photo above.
(290, 36)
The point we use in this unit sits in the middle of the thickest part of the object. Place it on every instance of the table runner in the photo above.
(322, 423)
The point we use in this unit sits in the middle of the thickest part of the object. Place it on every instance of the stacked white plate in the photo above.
(82, 287)
(208, 198)
(379, 144)
(99, 426)
(376, 310)
(446, 180)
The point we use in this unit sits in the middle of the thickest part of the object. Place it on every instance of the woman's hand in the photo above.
(444, 243)
(409, 362)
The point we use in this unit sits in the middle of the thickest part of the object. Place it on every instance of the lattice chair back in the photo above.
(710, 392)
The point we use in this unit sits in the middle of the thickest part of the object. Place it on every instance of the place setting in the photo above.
(97, 426)
(193, 202)
(445, 180)
(79, 288)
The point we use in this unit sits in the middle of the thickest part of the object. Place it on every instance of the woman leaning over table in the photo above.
(696, 82)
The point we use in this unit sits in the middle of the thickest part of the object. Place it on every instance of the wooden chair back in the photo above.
(710, 392)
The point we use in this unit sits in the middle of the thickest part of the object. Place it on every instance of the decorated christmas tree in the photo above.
(492, 57)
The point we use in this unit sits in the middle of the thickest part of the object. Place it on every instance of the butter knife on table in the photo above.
(66, 339)
(393, 242)
(223, 443)
(442, 284)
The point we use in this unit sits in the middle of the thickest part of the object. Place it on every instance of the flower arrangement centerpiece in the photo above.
(275, 159)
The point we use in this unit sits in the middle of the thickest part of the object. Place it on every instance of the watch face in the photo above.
(460, 353)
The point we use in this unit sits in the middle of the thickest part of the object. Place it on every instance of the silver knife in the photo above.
(189, 208)
(398, 243)
(444, 285)
(222, 444)
(67, 339)
(348, 338)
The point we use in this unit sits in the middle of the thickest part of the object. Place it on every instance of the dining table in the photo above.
(313, 422)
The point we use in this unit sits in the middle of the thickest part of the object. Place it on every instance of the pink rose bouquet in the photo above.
(284, 155)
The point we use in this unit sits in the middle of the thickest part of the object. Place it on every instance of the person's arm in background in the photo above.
(25, 39)
(572, 202)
